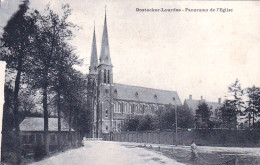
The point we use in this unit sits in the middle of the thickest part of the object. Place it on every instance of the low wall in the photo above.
(213, 137)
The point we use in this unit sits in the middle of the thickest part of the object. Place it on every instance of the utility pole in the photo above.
(176, 125)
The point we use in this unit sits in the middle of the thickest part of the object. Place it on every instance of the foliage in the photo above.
(229, 114)
(237, 92)
(164, 118)
(253, 104)
(202, 115)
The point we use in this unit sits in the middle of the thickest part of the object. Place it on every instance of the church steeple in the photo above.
(94, 59)
(105, 54)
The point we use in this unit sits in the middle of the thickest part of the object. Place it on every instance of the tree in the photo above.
(237, 92)
(164, 118)
(145, 123)
(53, 58)
(203, 114)
(131, 124)
(17, 40)
(232, 107)
(253, 108)
(229, 114)
(66, 59)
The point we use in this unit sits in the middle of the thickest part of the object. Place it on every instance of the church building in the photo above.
(112, 103)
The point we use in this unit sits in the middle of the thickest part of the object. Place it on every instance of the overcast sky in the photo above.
(192, 53)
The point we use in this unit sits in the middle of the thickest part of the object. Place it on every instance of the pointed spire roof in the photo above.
(94, 58)
(105, 53)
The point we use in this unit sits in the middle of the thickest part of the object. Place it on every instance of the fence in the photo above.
(212, 137)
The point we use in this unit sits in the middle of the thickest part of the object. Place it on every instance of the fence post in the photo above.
(159, 136)
(236, 160)
(146, 137)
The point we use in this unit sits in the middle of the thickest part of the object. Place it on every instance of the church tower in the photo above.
(105, 87)
(93, 60)
(92, 88)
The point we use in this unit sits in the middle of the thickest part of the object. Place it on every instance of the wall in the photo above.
(213, 137)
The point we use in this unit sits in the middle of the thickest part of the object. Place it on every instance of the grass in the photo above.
(209, 158)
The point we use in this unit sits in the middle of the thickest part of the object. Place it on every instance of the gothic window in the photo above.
(143, 110)
(105, 76)
(155, 96)
(152, 108)
(107, 128)
(115, 106)
(115, 91)
(136, 94)
(126, 108)
(130, 108)
(108, 76)
(119, 107)
(122, 106)
(106, 113)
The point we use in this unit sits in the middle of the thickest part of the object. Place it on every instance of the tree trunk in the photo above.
(16, 112)
(59, 119)
(70, 138)
(45, 112)
(76, 137)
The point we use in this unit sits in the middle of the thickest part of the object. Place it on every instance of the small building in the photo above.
(32, 133)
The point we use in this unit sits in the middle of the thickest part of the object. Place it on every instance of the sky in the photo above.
(189, 52)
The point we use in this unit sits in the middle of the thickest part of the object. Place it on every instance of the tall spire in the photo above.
(105, 54)
(93, 59)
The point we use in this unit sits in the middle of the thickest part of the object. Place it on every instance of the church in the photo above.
(112, 103)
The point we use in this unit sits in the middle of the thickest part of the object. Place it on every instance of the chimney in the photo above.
(201, 97)
(190, 97)
(219, 100)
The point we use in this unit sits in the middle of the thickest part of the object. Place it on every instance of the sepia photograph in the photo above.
(129, 82)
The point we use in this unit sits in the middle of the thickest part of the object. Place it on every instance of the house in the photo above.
(193, 106)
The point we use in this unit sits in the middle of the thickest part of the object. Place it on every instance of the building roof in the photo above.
(37, 124)
(193, 104)
(142, 94)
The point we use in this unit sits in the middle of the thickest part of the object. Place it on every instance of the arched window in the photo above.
(126, 111)
(152, 108)
(105, 76)
(143, 110)
(122, 106)
(119, 107)
(108, 76)
(106, 113)
(130, 108)
(116, 107)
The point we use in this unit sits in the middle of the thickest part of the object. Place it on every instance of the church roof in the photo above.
(142, 94)
(37, 124)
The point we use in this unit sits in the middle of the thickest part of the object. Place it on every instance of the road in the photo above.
(108, 153)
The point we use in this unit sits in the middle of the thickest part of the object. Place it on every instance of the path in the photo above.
(108, 153)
